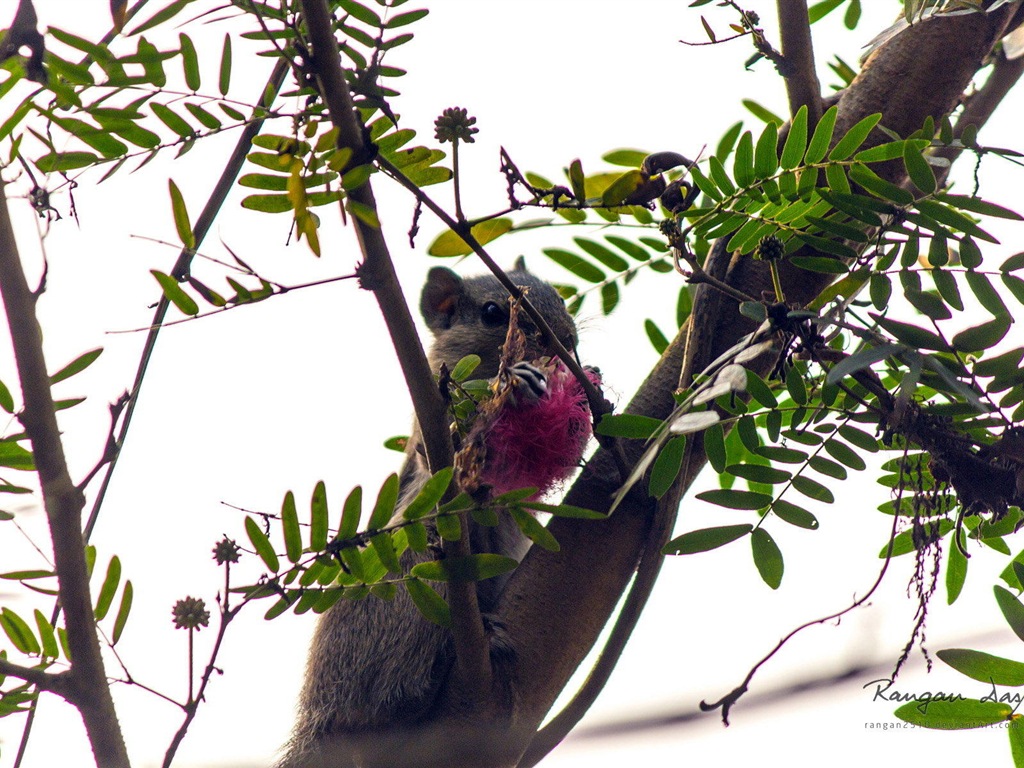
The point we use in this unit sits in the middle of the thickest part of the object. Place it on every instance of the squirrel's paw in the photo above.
(529, 382)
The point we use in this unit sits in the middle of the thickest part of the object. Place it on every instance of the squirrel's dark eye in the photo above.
(492, 314)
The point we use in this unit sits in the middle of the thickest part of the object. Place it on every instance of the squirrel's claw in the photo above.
(528, 382)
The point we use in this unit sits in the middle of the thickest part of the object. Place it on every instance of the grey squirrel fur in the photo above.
(375, 667)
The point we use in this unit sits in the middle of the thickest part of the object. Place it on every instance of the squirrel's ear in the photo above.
(440, 298)
(519, 265)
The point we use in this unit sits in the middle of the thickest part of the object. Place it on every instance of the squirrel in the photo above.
(375, 667)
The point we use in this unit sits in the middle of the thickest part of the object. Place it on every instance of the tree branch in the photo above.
(979, 106)
(63, 501)
(556, 604)
(377, 273)
(801, 77)
(55, 682)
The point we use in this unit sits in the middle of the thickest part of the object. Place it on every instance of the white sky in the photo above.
(243, 407)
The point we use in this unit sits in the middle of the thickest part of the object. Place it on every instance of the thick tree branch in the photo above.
(556, 604)
(377, 273)
(63, 501)
(55, 682)
(801, 77)
(922, 72)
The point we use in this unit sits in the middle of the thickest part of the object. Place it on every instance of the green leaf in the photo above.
(448, 527)
(953, 218)
(57, 162)
(822, 137)
(290, 526)
(667, 466)
(984, 336)
(953, 715)
(383, 544)
(189, 61)
(928, 304)
(654, 335)
(576, 264)
(109, 588)
(889, 151)
(767, 557)
(172, 290)
(627, 425)
(181, 220)
(161, 16)
(878, 186)
(782, 454)
(77, 365)
(6, 399)
(854, 137)
(384, 508)
(1013, 610)
(759, 473)
(604, 255)
(206, 119)
(760, 112)
(911, 335)
(451, 244)
(984, 667)
(986, 295)
(977, 205)
(760, 391)
(621, 188)
(47, 637)
(706, 539)
(796, 140)
(318, 517)
(794, 514)
(534, 530)
(122, 612)
(908, 541)
(743, 163)
(1015, 285)
(1016, 735)
(361, 12)
(766, 159)
(714, 447)
(18, 632)
(813, 489)
(402, 19)
(859, 438)
(429, 496)
(956, 575)
(970, 253)
(350, 514)
(736, 499)
(465, 367)
(564, 510)
(262, 545)
(918, 169)
(844, 453)
(224, 80)
(267, 203)
(467, 568)
(629, 158)
(430, 604)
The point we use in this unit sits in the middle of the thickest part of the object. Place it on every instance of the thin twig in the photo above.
(726, 702)
(55, 682)
(597, 402)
